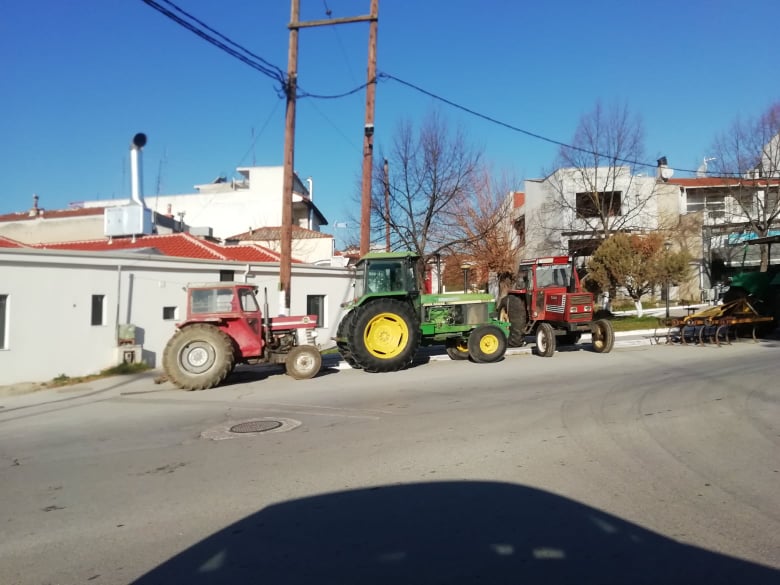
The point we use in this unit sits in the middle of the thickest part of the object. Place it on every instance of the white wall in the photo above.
(49, 305)
(229, 208)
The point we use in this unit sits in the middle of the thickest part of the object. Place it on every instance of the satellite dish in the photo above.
(666, 173)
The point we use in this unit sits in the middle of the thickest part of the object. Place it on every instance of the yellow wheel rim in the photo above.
(386, 335)
(462, 345)
(488, 344)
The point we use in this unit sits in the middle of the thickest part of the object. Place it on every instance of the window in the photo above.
(3, 321)
(227, 275)
(315, 305)
(596, 204)
(170, 313)
(98, 309)
(520, 230)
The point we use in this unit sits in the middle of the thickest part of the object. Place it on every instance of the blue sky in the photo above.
(81, 77)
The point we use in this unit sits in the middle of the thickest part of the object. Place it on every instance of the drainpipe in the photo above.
(311, 201)
(118, 304)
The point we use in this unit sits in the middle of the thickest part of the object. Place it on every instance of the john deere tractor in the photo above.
(389, 317)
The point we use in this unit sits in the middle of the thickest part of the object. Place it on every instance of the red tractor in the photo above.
(225, 327)
(548, 302)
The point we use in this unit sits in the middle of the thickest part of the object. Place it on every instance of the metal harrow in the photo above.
(714, 325)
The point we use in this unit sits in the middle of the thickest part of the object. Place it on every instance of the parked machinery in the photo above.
(548, 302)
(389, 317)
(224, 327)
(751, 306)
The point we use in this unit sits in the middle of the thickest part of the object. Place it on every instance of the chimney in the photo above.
(34, 210)
(664, 172)
(169, 213)
(136, 169)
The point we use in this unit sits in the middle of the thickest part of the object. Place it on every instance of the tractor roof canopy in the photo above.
(388, 256)
(546, 260)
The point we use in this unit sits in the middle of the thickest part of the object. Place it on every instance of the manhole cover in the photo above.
(255, 426)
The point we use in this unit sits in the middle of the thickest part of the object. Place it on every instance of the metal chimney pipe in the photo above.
(136, 169)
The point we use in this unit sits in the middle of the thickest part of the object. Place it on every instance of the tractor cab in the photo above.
(387, 274)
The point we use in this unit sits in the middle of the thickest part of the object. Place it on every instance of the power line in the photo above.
(249, 58)
(528, 132)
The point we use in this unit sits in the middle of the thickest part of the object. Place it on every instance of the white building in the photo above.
(231, 207)
(60, 311)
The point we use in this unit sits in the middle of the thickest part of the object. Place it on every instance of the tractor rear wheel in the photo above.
(487, 344)
(545, 340)
(344, 331)
(458, 349)
(303, 362)
(603, 336)
(198, 357)
(385, 336)
(512, 309)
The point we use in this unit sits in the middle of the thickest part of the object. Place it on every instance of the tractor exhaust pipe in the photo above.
(266, 318)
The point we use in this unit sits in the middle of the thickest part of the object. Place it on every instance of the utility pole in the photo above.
(387, 206)
(368, 134)
(285, 260)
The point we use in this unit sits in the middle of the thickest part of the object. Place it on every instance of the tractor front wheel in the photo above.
(487, 344)
(303, 362)
(385, 336)
(198, 357)
(603, 336)
(458, 349)
(545, 340)
(512, 309)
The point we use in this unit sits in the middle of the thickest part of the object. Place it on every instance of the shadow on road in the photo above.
(446, 533)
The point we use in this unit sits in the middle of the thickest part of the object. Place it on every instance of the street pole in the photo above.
(291, 88)
(667, 247)
(285, 256)
(368, 132)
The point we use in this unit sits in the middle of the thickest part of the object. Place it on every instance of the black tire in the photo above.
(512, 309)
(385, 336)
(569, 338)
(603, 336)
(545, 340)
(198, 357)
(487, 344)
(303, 362)
(458, 349)
(344, 331)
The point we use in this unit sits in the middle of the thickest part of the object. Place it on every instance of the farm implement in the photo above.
(717, 324)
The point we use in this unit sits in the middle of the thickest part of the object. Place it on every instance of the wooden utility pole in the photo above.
(387, 206)
(368, 133)
(285, 259)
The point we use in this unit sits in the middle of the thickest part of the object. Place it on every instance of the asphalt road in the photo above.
(652, 464)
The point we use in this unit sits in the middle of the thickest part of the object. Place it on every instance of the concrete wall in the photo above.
(48, 318)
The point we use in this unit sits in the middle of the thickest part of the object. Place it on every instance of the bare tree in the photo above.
(748, 158)
(594, 191)
(492, 239)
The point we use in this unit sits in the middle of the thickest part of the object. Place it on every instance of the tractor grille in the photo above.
(578, 303)
(580, 299)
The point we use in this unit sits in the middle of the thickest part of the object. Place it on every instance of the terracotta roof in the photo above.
(9, 243)
(720, 182)
(518, 199)
(275, 233)
(181, 245)
(53, 214)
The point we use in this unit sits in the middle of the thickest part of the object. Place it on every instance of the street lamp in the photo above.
(465, 267)
(667, 246)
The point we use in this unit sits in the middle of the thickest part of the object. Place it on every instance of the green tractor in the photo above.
(389, 317)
